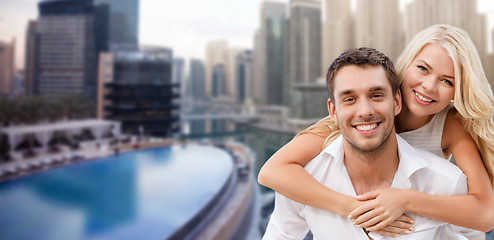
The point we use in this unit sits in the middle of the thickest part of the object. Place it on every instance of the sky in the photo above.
(186, 26)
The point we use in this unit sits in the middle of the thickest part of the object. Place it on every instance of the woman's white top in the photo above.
(429, 136)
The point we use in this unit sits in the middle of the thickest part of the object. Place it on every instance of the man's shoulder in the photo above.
(429, 164)
(439, 165)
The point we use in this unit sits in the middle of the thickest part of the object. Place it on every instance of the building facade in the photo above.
(123, 26)
(304, 44)
(62, 47)
(244, 76)
(336, 33)
(271, 46)
(137, 90)
(197, 80)
(7, 67)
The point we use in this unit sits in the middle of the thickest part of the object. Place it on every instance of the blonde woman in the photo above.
(439, 66)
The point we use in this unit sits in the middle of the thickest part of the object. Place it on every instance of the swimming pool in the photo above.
(145, 194)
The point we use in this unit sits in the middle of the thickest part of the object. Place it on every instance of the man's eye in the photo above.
(377, 95)
(348, 99)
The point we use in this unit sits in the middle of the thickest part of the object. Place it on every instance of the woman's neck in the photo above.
(407, 121)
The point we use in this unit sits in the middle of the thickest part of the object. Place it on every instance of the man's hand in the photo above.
(383, 212)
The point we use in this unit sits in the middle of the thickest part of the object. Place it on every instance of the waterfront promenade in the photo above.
(232, 214)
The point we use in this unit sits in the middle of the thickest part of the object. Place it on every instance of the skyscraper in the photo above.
(123, 23)
(66, 48)
(216, 53)
(218, 80)
(304, 47)
(460, 13)
(244, 76)
(178, 73)
(197, 79)
(305, 41)
(7, 67)
(30, 59)
(337, 31)
(378, 24)
(271, 43)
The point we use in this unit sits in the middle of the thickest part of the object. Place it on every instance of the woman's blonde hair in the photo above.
(473, 97)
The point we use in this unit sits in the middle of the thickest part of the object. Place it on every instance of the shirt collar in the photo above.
(410, 160)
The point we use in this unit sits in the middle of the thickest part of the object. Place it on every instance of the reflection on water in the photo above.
(263, 143)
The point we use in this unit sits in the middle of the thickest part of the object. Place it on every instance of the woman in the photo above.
(439, 65)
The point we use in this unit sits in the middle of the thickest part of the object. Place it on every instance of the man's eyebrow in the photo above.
(378, 88)
(429, 66)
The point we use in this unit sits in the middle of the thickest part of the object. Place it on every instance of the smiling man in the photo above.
(364, 98)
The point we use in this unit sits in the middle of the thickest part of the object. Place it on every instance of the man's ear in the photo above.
(398, 102)
(332, 110)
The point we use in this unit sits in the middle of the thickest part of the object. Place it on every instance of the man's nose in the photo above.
(365, 108)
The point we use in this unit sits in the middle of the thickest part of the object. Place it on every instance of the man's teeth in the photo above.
(366, 127)
(422, 97)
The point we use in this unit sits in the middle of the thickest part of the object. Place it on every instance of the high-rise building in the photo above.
(30, 59)
(378, 24)
(7, 67)
(305, 41)
(259, 95)
(337, 31)
(304, 46)
(244, 76)
(270, 47)
(218, 80)
(460, 13)
(178, 74)
(137, 90)
(123, 26)
(216, 53)
(197, 79)
(66, 49)
(231, 76)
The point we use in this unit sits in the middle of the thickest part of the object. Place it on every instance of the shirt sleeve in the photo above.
(461, 186)
(286, 221)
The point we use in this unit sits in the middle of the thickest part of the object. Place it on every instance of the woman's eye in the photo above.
(448, 82)
(422, 68)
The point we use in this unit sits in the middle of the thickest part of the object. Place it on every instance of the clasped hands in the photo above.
(382, 211)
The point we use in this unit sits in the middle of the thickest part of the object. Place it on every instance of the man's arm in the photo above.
(286, 221)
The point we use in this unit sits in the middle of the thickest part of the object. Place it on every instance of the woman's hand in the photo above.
(402, 225)
(382, 208)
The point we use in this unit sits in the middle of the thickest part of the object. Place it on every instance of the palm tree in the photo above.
(7, 111)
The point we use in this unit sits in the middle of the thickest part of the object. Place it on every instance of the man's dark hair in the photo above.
(361, 57)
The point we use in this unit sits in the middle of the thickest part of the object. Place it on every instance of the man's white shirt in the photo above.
(419, 170)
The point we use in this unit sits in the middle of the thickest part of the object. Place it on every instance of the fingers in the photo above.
(405, 218)
(371, 218)
(368, 196)
(357, 212)
(375, 226)
(393, 231)
(403, 225)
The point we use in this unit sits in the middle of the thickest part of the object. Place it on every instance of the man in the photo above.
(364, 98)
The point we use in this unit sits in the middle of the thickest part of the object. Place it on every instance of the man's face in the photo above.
(364, 106)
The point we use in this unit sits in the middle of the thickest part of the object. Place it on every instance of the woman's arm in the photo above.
(284, 173)
(475, 210)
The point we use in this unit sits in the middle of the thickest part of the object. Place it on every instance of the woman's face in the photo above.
(428, 85)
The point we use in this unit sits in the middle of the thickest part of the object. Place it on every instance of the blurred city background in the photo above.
(154, 117)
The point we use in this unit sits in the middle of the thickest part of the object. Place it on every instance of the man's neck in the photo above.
(372, 170)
